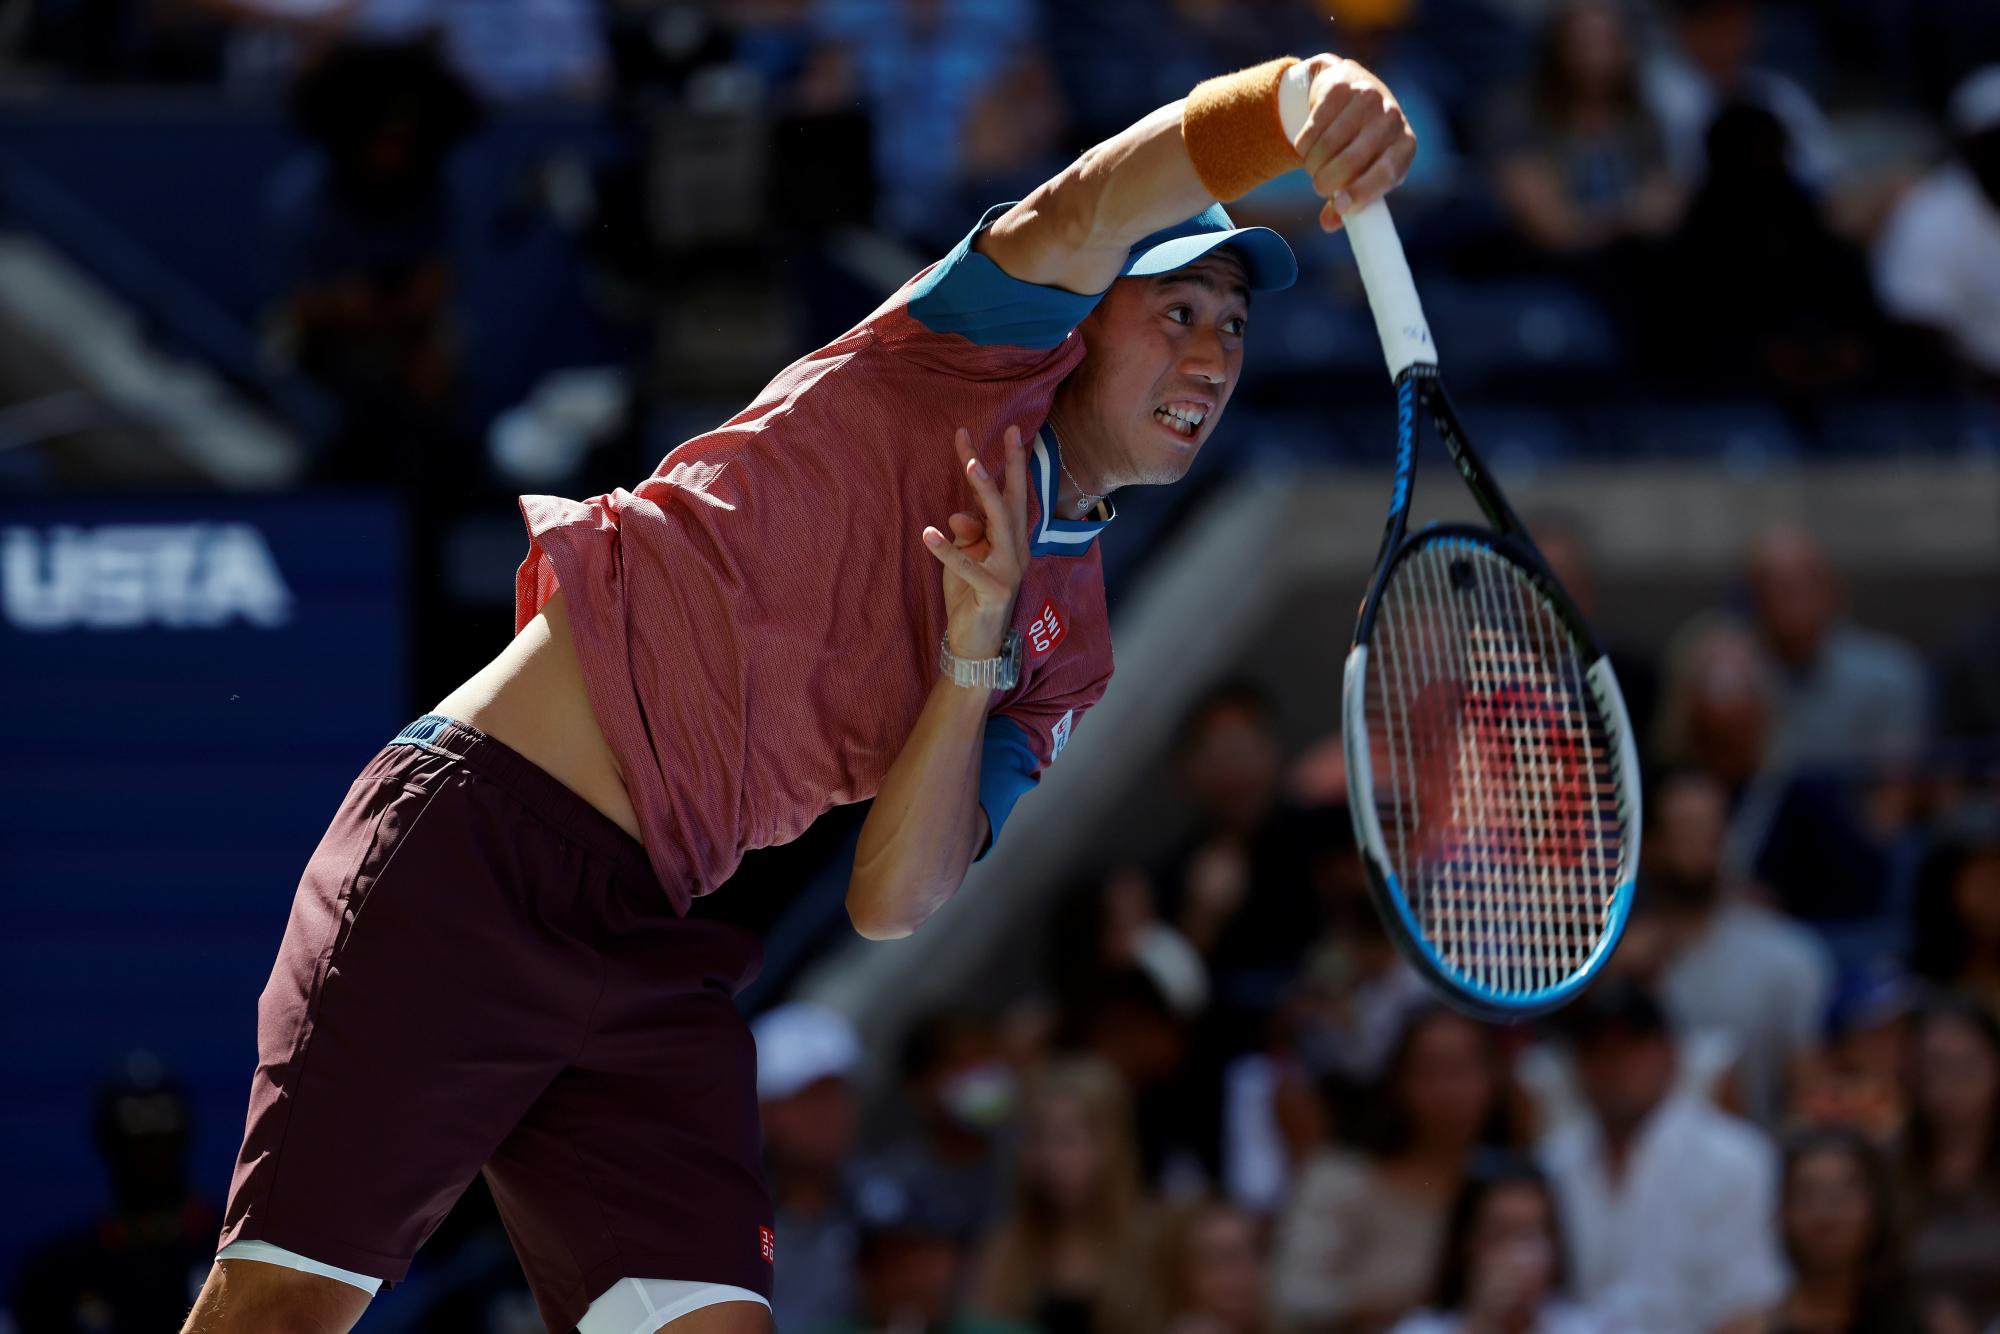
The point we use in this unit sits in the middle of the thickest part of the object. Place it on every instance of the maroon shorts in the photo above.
(481, 971)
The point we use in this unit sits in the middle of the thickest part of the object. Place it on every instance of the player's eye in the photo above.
(1235, 325)
(1181, 314)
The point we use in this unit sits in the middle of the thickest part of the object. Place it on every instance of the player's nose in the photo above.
(1203, 357)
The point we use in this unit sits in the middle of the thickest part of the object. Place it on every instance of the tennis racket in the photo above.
(1492, 776)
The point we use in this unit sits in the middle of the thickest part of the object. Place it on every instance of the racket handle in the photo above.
(1378, 253)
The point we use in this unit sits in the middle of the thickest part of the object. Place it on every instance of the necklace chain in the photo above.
(1083, 496)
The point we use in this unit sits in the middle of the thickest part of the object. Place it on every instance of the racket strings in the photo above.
(1497, 783)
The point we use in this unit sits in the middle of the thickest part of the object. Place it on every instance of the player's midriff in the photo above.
(532, 699)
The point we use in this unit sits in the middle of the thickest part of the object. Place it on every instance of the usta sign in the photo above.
(180, 576)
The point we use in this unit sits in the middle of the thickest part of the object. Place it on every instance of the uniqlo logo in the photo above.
(1046, 631)
(767, 1245)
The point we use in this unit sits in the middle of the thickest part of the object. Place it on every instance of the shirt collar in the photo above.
(1055, 536)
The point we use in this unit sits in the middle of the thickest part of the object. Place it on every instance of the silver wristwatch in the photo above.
(998, 673)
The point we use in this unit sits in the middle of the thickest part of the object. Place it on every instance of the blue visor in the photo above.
(1267, 260)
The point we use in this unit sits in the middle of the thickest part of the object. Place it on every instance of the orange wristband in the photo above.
(1233, 134)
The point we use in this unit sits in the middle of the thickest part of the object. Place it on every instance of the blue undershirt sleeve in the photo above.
(968, 294)
(1007, 766)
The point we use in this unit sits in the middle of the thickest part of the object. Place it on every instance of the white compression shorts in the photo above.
(629, 1306)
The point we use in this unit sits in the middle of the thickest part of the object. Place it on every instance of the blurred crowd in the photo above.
(1226, 1106)
(1782, 198)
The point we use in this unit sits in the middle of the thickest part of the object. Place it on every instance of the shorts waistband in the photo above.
(534, 787)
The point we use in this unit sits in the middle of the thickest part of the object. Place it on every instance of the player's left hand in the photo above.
(986, 555)
(1356, 143)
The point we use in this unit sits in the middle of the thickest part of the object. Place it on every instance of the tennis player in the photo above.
(880, 579)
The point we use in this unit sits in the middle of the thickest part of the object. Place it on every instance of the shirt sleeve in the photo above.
(1022, 739)
(1008, 767)
(967, 294)
(1912, 278)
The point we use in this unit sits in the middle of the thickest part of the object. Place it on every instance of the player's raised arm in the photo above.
(926, 824)
(1219, 143)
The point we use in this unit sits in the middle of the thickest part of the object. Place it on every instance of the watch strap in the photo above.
(1000, 672)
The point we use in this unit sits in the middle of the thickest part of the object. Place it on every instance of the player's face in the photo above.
(1163, 356)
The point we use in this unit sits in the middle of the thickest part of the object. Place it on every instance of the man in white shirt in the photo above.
(1668, 1205)
(1729, 966)
(1708, 64)
(1937, 261)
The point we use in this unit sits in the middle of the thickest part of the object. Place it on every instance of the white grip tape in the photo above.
(1378, 253)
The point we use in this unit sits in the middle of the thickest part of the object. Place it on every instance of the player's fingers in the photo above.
(1017, 491)
(992, 506)
(971, 571)
(961, 440)
(965, 529)
(1354, 115)
(1326, 99)
(1368, 147)
(1377, 181)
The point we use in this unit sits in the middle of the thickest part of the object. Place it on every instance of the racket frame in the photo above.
(1419, 388)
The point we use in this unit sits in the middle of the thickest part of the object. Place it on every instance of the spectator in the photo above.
(1111, 927)
(1076, 1200)
(1951, 1163)
(1133, 991)
(930, 70)
(1845, 696)
(1784, 301)
(1708, 66)
(1341, 1016)
(359, 273)
(1359, 1242)
(1239, 889)
(806, 1056)
(1198, 1270)
(361, 265)
(1012, 135)
(139, 1263)
(1937, 260)
(1856, 1082)
(1355, 997)
(1957, 929)
(1838, 1222)
(963, 1094)
(1803, 835)
(1501, 1269)
(1578, 160)
(1138, 1023)
(1666, 1201)
(1730, 965)
(1715, 706)
(909, 1267)
(1328, 1046)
